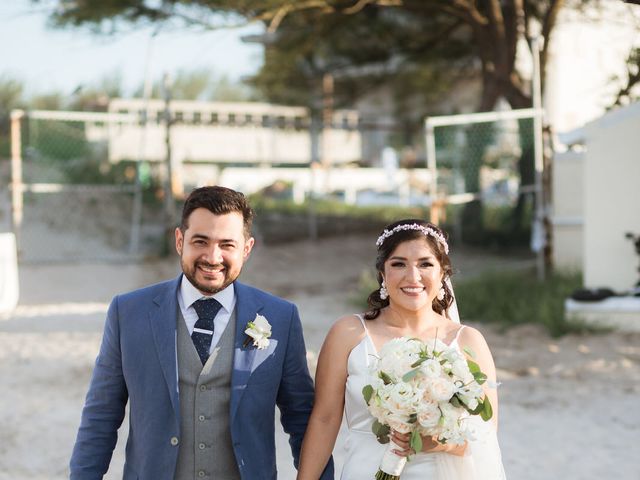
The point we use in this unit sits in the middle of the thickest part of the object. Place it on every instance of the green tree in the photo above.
(325, 35)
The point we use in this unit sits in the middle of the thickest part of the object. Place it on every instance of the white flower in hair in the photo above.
(414, 226)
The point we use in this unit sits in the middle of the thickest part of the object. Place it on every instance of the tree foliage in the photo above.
(435, 40)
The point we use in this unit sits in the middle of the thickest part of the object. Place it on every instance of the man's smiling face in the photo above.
(212, 249)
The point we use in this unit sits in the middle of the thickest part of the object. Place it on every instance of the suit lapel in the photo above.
(163, 326)
(246, 309)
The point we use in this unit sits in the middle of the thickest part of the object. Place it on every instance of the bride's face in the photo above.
(413, 275)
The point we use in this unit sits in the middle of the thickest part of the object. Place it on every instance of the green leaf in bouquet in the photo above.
(413, 418)
(381, 431)
(455, 401)
(487, 409)
(469, 352)
(407, 377)
(477, 410)
(385, 378)
(473, 366)
(419, 362)
(416, 441)
(480, 377)
(367, 393)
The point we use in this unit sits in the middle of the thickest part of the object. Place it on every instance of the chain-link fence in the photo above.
(91, 185)
(77, 200)
(72, 203)
(485, 166)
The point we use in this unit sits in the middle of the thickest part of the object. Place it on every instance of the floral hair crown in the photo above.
(414, 226)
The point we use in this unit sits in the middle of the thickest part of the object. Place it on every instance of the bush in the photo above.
(513, 298)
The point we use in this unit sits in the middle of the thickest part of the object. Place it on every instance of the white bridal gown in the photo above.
(482, 460)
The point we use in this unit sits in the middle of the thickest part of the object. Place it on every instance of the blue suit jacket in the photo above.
(138, 363)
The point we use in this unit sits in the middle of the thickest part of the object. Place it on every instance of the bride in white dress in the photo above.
(415, 300)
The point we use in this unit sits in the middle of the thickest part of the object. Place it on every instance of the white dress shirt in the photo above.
(188, 294)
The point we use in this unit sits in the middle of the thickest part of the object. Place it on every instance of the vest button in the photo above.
(201, 446)
(201, 473)
(203, 388)
(174, 441)
(201, 418)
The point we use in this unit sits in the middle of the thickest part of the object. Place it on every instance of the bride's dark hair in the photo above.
(387, 247)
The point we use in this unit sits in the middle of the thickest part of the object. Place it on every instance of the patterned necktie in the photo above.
(207, 310)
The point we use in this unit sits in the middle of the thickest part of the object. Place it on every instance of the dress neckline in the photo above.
(373, 345)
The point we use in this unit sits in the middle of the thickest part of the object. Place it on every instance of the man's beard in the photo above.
(205, 288)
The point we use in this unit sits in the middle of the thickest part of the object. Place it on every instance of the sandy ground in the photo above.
(568, 407)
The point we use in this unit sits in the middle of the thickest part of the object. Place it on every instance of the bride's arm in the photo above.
(331, 378)
(472, 338)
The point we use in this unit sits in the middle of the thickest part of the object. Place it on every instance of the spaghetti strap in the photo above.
(458, 333)
(362, 322)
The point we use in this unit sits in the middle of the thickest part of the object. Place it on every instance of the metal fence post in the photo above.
(538, 158)
(433, 170)
(16, 174)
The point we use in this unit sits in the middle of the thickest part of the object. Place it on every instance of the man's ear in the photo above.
(179, 240)
(248, 245)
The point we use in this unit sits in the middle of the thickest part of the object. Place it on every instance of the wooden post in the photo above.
(438, 211)
(16, 174)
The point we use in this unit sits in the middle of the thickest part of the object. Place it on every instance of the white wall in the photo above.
(587, 49)
(612, 199)
(285, 138)
(568, 212)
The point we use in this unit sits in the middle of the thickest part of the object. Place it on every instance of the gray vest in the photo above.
(206, 450)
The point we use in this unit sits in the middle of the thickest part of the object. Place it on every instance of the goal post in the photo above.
(449, 144)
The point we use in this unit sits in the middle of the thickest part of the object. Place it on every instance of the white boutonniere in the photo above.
(259, 330)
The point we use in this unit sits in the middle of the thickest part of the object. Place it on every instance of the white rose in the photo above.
(460, 369)
(378, 412)
(429, 414)
(397, 356)
(440, 389)
(470, 394)
(399, 398)
(431, 368)
(450, 416)
(399, 423)
(457, 432)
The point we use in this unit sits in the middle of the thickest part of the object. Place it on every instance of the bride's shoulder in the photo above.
(349, 325)
(347, 330)
(472, 337)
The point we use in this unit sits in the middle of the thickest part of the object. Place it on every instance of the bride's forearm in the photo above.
(317, 446)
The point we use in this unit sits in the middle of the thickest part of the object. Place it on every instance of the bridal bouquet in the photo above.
(423, 388)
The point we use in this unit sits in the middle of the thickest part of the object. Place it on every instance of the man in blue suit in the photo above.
(202, 361)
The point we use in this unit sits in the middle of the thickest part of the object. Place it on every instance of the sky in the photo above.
(48, 59)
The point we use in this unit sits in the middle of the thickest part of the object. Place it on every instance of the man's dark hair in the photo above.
(219, 201)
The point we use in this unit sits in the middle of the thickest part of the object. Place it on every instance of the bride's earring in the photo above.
(441, 294)
(383, 292)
